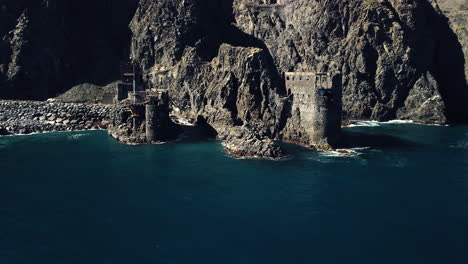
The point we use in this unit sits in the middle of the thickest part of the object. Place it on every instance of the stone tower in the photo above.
(316, 98)
(157, 119)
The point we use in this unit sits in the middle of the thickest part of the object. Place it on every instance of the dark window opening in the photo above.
(325, 92)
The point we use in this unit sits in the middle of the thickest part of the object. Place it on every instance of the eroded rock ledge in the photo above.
(245, 143)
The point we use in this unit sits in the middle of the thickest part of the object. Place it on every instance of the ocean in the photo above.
(399, 196)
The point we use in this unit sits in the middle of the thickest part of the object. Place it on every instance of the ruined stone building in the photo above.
(143, 115)
(316, 98)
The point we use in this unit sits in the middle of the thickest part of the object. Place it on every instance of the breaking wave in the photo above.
(363, 124)
(340, 155)
(76, 136)
(183, 122)
(373, 123)
(346, 152)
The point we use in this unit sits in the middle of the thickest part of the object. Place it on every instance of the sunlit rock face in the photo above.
(397, 59)
(224, 61)
(384, 49)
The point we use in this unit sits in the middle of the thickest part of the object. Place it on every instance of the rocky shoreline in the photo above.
(25, 117)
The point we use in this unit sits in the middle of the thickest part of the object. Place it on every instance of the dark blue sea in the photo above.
(399, 197)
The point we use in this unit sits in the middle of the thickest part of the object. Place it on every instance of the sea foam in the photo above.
(373, 123)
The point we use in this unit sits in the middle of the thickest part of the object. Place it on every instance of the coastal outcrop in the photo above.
(124, 129)
(130, 126)
(25, 117)
(384, 50)
(398, 60)
(242, 141)
(224, 61)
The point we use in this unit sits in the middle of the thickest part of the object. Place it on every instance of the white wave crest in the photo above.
(341, 153)
(76, 136)
(373, 123)
(398, 122)
(183, 122)
(363, 124)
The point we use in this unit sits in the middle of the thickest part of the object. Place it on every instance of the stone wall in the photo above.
(316, 101)
(24, 117)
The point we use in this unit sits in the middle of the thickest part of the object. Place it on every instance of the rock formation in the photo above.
(223, 61)
(384, 49)
(398, 59)
(457, 12)
(49, 46)
(144, 121)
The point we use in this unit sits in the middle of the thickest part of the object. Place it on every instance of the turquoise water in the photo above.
(83, 198)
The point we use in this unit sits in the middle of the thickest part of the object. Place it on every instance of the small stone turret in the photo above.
(157, 117)
(145, 121)
(317, 99)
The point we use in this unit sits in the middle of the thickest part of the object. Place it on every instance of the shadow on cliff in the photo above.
(200, 132)
(237, 37)
(448, 67)
(219, 28)
(68, 43)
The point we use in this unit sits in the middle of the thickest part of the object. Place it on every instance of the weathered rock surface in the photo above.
(382, 48)
(123, 129)
(49, 46)
(223, 60)
(398, 59)
(24, 117)
(242, 141)
(424, 103)
(126, 129)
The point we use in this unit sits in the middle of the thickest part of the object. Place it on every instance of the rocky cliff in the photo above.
(48, 46)
(457, 12)
(386, 50)
(224, 60)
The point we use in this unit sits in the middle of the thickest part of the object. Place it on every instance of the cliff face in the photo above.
(457, 12)
(47, 46)
(208, 67)
(386, 50)
(224, 60)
